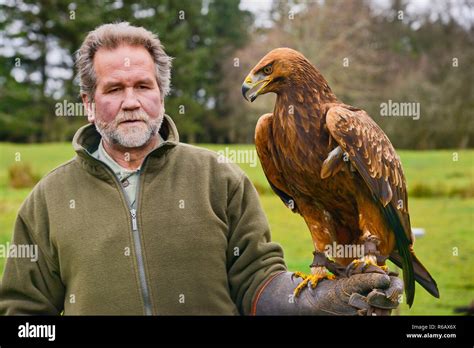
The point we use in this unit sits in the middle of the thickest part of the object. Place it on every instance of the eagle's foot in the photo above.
(312, 280)
(366, 264)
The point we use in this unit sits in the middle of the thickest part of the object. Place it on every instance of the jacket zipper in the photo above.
(136, 237)
(139, 252)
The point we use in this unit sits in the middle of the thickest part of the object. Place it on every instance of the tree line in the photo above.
(371, 58)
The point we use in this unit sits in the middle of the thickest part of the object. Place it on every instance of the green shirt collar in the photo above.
(120, 171)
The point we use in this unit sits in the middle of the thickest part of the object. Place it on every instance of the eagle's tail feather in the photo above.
(403, 247)
(422, 276)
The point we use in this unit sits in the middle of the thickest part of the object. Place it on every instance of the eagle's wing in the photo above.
(263, 141)
(373, 156)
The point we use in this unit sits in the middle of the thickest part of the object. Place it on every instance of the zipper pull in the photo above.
(133, 212)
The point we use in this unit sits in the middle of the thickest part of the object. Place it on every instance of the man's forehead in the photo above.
(122, 59)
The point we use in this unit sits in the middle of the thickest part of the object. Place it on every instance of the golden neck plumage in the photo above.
(302, 104)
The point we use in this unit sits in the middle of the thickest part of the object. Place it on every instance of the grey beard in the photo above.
(135, 136)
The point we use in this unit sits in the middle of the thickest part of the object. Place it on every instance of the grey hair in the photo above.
(110, 36)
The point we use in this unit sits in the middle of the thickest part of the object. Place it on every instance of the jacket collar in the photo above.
(87, 139)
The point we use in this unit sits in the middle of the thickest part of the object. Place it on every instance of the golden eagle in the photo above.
(331, 163)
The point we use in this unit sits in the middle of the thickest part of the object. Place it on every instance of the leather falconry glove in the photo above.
(360, 294)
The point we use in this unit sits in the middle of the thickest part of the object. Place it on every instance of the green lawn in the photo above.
(444, 208)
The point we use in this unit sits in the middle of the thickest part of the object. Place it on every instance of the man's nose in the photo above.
(130, 101)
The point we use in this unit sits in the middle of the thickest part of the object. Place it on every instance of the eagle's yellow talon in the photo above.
(299, 275)
(311, 280)
(370, 260)
(365, 262)
(300, 287)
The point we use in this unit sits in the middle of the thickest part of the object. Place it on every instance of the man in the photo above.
(139, 223)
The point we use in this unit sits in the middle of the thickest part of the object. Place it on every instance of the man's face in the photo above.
(128, 105)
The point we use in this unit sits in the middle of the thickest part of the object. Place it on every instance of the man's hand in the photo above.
(360, 294)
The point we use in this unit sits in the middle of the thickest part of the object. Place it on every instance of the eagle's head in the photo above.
(272, 72)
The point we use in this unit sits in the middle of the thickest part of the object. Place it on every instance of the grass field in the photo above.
(441, 201)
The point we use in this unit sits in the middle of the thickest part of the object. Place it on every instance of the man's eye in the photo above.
(116, 89)
(143, 87)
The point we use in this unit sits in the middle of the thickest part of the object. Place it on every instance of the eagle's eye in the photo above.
(267, 70)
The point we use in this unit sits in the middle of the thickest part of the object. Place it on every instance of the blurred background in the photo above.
(371, 52)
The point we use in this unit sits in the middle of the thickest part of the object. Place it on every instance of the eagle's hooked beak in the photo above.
(252, 81)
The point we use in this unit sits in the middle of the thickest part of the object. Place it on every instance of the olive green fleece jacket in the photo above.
(198, 243)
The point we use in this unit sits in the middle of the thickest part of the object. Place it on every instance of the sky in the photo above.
(464, 14)
(260, 8)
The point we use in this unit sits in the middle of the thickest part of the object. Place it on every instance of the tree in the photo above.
(198, 34)
(370, 58)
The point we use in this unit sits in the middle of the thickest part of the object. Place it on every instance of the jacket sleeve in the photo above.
(252, 257)
(31, 285)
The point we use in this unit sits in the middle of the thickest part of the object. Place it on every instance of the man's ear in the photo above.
(89, 107)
